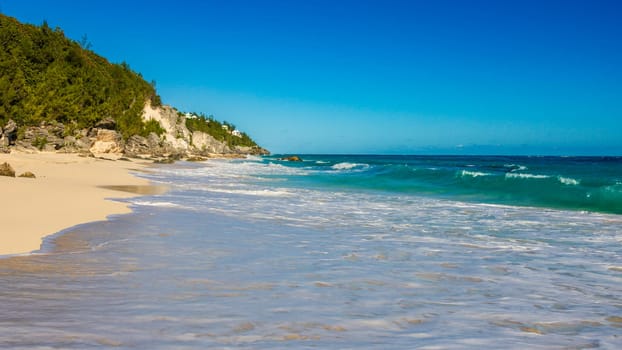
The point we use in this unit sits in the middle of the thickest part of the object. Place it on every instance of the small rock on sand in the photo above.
(6, 170)
(29, 175)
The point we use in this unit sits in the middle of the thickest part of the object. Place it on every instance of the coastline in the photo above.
(68, 190)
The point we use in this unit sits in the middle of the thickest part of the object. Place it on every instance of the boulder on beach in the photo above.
(29, 175)
(6, 170)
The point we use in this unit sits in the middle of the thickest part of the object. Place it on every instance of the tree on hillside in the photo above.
(46, 77)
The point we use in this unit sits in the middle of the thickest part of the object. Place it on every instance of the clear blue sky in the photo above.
(460, 77)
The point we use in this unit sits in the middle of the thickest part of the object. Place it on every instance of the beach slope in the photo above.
(68, 190)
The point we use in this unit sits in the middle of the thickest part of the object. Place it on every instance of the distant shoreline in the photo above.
(68, 190)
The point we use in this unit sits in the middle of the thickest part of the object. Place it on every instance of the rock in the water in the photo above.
(6, 170)
(292, 159)
(29, 175)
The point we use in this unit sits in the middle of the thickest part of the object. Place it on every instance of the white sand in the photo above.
(64, 194)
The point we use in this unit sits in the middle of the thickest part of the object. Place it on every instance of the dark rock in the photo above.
(29, 175)
(176, 156)
(196, 159)
(259, 151)
(151, 145)
(291, 159)
(164, 161)
(6, 170)
(10, 132)
(54, 130)
(107, 123)
(4, 143)
(47, 137)
(137, 145)
(84, 143)
(153, 140)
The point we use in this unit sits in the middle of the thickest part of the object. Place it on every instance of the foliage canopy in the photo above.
(220, 131)
(46, 77)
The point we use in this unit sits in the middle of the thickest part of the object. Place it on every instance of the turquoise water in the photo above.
(337, 252)
(580, 183)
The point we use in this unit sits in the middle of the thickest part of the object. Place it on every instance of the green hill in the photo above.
(46, 77)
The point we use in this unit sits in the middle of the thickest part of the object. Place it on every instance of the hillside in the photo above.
(49, 84)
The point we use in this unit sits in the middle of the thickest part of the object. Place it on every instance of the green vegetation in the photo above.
(220, 131)
(40, 142)
(152, 126)
(47, 77)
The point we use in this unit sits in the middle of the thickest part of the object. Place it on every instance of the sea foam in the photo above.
(474, 173)
(568, 181)
(349, 166)
(526, 176)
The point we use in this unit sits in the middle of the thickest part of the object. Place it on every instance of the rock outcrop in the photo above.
(177, 139)
(176, 142)
(46, 137)
(176, 133)
(291, 159)
(107, 141)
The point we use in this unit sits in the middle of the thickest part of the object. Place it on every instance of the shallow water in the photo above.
(239, 255)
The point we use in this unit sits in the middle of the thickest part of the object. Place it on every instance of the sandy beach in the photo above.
(68, 190)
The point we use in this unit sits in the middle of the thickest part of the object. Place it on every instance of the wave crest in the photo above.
(349, 166)
(568, 181)
(464, 173)
(525, 176)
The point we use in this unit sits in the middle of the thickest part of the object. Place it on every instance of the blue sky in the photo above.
(458, 77)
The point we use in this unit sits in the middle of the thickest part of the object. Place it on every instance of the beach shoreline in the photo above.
(68, 190)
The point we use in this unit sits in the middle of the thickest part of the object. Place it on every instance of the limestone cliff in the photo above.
(180, 140)
(177, 141)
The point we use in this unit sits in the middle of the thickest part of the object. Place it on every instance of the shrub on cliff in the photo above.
(220, 131)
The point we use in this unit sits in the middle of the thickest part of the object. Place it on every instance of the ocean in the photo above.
(337, 252)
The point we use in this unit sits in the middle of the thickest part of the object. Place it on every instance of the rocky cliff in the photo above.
(177, 141)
